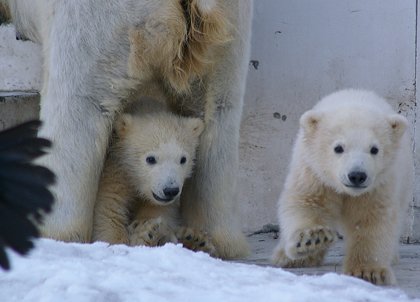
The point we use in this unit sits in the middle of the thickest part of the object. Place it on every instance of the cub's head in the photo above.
(349, 149)
(158, 153)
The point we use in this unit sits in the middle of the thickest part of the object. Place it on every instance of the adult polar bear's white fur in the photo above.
(352, 168)
(100, 55)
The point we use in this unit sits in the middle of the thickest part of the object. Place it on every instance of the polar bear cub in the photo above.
(151, 155)
(351, 169)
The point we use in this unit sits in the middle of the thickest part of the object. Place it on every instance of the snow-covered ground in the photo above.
(57, 271)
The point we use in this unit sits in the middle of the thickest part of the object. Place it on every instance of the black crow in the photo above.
(24, 193)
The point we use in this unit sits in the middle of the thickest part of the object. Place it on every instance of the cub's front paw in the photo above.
(375, 275)
(310, 242)
(196, 240)
(279, 258)
(151, 232)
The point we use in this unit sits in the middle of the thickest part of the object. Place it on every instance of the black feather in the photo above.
(24, 192)
(4, 262)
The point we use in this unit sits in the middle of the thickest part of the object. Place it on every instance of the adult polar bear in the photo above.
(100, 55)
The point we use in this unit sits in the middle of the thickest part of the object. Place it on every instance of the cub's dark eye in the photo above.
(374, 151)
(183, 160)
(151, 160)
(338, 149)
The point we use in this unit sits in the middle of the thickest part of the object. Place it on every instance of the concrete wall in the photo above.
(20, 63)
(301, 51)
(20, 79)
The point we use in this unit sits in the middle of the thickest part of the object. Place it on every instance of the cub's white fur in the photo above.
(352, 168)
(151, 155)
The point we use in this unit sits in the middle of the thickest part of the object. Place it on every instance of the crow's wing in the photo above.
(24, 192)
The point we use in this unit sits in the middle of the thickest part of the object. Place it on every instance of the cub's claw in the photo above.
(196, 240)
(150, 232)
(375, 275)
(279, 258)
(308, 242)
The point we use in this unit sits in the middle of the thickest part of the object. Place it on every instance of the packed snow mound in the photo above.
(58, 271)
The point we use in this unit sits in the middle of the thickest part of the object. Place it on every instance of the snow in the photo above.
(58, 271)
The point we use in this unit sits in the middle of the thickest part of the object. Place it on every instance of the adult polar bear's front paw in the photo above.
(375, 275)
(304, 243)
(196, 240)
(151, 232)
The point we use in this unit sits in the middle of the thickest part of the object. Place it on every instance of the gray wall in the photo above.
(301, 51)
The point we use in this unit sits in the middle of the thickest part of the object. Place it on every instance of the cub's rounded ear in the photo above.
(195, 126)
(398, 124)
(123, 123)
(309, 121)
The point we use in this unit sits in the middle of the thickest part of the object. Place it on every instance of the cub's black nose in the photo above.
(357, 178)
(171, 192)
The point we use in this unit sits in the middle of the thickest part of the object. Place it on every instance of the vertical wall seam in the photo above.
(413, 232)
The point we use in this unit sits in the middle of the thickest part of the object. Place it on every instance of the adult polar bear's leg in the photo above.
(81, 92)
(78, 178)
(209, 200)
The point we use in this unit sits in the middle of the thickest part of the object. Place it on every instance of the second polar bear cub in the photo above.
(151, 155)
(351, 169)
